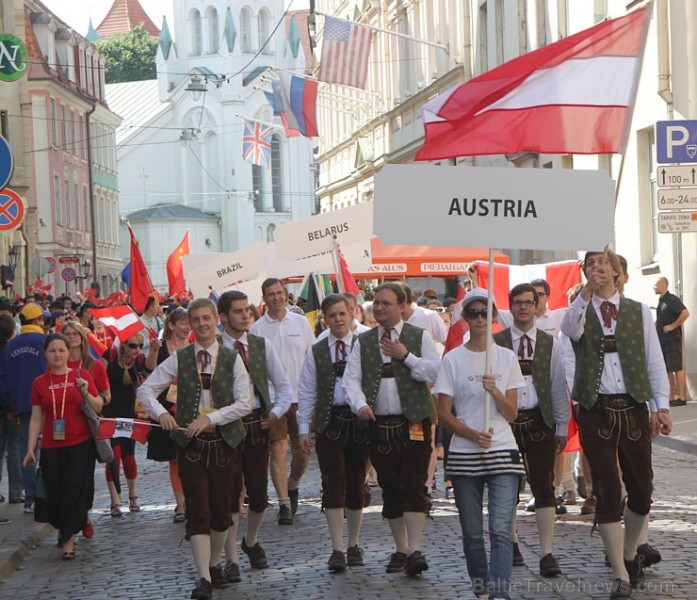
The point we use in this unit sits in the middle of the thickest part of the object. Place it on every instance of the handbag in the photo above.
(104, 452)
(40, 502)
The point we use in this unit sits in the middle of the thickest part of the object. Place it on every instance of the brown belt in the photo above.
(616, 401)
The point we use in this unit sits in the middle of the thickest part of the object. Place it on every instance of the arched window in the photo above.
(258, 187)
(196, 34)
(276, 172)
(264, 21)
(246, 30)
(271, 232)
(213, 30)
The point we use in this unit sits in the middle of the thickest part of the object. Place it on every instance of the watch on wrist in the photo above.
(405, 356)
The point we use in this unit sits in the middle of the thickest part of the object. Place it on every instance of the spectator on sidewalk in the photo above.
(7, 332)
(22, 361)
(671, 313)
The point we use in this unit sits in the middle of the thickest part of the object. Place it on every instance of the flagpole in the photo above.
(337, 270)
(443, 47)
(350, 87)
(267, 123)
(489, 339)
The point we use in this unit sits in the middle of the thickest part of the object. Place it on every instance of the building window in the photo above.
(245, 30)
(196, 34)
(483, 41)
(54, 131)
(73, 139)
(76, 198)
(276, 172)
(213, 31)
(63, 129)
(258, 187)
(57, 199)
(271, 233)
(86, 207)
(68, 211)
(82, 137)
(264, 20)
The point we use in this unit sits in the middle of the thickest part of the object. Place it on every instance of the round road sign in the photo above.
(52, 264)
(11, 210)
(68, 274)
(7, 163)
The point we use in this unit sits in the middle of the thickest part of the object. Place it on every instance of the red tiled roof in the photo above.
(123, 16)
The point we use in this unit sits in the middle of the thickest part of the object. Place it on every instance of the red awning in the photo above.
(391, 260)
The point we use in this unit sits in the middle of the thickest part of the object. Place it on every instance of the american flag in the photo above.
(345, 53)
(256, 143)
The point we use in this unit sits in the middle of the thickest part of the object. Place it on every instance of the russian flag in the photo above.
(299, 99)
(97, 349)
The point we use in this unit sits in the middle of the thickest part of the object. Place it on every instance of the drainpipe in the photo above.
(91, 192)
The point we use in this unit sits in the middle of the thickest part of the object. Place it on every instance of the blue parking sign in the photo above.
(7, 163)
(676, 142)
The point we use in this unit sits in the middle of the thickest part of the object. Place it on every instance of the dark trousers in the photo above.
(206, 468)
(538, 444)
(342, 453)
(608, 435)
(401, 465)
(255, 465)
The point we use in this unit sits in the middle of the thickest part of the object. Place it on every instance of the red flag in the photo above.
(175, 269)
(560, 275)
(141, 288)
(347, 279)
(120, 319)
(572, 96)
(345, 52)
(135, 429)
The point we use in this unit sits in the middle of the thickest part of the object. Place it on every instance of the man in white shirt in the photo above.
(213, 397)
(546, 319)
(386, 383)
(341, 439)
(423, 318)
(621, 395)
(271, 395)
(291, 336)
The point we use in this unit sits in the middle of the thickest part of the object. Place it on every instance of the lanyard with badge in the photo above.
(59, 420)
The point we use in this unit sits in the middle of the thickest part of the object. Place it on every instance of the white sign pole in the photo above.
(489, 339)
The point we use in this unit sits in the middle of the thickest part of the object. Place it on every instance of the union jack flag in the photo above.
(256, 143)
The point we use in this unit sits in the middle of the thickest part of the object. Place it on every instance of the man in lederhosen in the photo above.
(386, 382)
(340, 438)
(213, 396)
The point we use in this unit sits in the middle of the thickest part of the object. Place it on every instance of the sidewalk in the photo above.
(22, 534)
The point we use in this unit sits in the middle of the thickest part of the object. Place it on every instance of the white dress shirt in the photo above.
(307, 386)
(166, 373)
(356, 328)
(430, 321)
(527, 396)
(291, 337)
(424, 368)
(612, 377)
(280, 390)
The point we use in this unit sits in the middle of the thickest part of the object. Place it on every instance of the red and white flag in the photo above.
(345, 52)
(559, 275)
(120, 319)
(136, 429)
(573, 96)
(346, 278)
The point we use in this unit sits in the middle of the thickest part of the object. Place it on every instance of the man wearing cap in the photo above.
(386, 383)
(21, 362)
(621, 395)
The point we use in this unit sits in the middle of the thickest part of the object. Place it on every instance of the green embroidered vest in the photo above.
(541, 369)
(326, 381)
(189, 393)
(256, 365)
(414, 396)
(590, 355)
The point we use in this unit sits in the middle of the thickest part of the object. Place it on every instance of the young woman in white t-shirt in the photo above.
(482, 456)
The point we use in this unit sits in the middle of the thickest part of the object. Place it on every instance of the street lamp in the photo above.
(196, 87)
(85, 268)
(14, 257)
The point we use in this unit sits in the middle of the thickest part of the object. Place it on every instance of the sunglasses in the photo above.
(473, 313)
(133, 346)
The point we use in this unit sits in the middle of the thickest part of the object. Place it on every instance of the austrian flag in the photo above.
(574, 96)
(120, 319)
(136, 429)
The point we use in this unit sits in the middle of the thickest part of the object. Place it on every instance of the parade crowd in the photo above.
(565, 401)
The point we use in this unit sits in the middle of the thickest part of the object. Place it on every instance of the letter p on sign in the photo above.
(675, 141)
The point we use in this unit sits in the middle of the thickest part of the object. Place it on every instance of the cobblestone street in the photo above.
(144, 555)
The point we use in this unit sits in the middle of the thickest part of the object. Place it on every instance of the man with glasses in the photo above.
(386, 383)
(543, 413)
(22, 361)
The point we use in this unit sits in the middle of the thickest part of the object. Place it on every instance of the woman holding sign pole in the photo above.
(480, 453)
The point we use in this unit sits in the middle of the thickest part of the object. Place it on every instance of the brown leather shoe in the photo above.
(232, 572)
(354, 556)
(588, 506)
(635, 571)
(337, 562)
(203, 591)
(549, 567)
(256, 554)
(518, 560)
(218, 577)
(398, 560)
(416, 564)
(620, 590)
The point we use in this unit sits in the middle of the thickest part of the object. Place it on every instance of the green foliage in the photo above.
(129, 56)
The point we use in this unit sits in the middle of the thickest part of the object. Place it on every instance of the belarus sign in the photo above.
(13, 57)
(676, 141)
(357, 257)
(11, 210)
(677, 222)
(314, 235)
(487, 207)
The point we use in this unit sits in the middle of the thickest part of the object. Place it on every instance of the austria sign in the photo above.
(493, 207)
(314, 235)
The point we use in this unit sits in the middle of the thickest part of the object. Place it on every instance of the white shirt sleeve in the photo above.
(560, 399)
(426, 367)
(307, 393)
(353, 378)
(575, 319)
(655, 365)
(277, 375)
(157, 382)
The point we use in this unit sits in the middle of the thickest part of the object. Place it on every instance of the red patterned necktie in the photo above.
(387, 334)
(242, 351)
(340, 351)
(609, 312)
(204, 359)
(523, 348)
